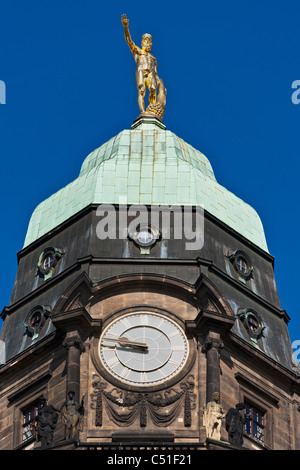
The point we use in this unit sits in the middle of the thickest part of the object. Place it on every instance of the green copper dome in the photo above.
(146, 165)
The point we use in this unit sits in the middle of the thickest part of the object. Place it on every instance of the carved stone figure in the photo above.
(235, 425)
(212, 418)
(146, 73)
(72, 416)
(45, 422)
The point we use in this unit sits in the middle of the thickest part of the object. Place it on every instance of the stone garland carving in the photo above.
(125, 407)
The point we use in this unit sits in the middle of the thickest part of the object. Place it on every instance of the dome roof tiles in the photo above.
(146, 165)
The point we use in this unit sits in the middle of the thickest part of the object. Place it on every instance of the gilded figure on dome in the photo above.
(146, 76)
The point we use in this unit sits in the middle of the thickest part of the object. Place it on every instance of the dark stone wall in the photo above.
(103, 259)
(72, 239)
(78, 238)
(40, 366)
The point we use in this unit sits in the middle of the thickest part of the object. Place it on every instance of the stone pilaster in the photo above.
(212, 348)
(75, 347)
(76, 325)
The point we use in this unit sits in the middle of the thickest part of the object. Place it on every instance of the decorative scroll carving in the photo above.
(97, 402)
(125, 407)
(187, 387)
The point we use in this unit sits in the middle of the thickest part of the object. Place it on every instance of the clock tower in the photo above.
(145, 312)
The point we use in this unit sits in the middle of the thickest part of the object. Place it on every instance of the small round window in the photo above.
(36, 319)
(47, 261)
(252, 322)
(242, 264)
(145, 237)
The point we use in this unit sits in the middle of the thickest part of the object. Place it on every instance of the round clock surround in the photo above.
(143, 350)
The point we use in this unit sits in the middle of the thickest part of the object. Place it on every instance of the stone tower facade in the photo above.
(145, 312)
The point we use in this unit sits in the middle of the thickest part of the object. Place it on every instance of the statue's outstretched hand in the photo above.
(124, 20)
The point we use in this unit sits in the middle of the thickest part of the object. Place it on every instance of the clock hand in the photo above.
(126, 342)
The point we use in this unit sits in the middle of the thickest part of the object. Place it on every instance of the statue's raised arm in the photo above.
(125, 22)
(146, 74)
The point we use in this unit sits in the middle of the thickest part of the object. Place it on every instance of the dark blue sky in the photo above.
(228, 68)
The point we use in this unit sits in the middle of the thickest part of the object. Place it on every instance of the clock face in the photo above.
(143, 349)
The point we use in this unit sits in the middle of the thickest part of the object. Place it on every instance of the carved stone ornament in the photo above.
(213, 414)
(235, 424)
(125, 407)
(212, 343)
(74, 341)
(46, 422)
(72, 416)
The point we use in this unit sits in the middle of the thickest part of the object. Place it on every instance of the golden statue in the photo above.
(146, 74)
